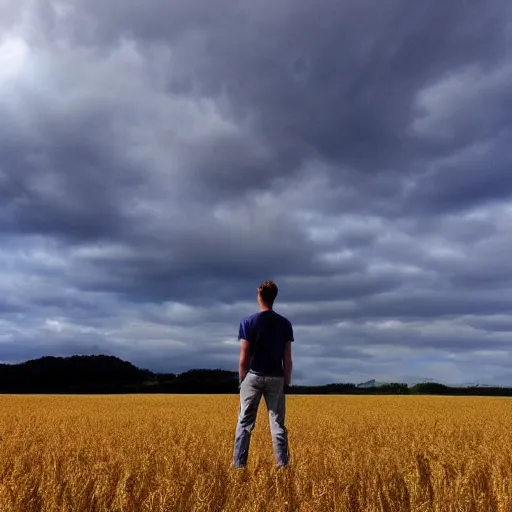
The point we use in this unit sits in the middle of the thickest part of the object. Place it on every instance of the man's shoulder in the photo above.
(249, 321)
(249, 318)
(255, 317)
(286, 326)
(282, 318)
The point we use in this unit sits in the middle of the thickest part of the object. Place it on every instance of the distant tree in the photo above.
(430, 388)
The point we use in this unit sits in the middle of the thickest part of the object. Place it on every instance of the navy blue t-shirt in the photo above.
(267, 333)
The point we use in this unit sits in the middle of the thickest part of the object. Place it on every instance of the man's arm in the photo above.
(288, 364)
(243, 365)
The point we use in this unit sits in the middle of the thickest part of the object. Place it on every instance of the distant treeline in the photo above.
(423, 388)
(109, 374)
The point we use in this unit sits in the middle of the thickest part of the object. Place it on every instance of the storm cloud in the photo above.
(159, 160)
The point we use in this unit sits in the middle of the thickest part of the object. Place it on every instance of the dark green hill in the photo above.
(67, 374)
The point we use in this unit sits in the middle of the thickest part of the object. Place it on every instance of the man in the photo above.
(265, 369)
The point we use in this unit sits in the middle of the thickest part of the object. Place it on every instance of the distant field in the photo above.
(173, 453)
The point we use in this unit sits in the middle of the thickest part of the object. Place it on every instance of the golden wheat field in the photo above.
(173, 453)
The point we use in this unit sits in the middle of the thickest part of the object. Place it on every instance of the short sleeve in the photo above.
(242, 331)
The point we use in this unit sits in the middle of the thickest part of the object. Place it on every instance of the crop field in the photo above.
(174, 453)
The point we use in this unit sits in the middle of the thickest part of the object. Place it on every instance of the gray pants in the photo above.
(251, 390)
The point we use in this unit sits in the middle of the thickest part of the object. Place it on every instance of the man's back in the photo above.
(267, 333)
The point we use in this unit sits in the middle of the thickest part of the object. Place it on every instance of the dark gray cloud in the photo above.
(158, 161)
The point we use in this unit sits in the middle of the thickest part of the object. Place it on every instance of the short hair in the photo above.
(268, 292)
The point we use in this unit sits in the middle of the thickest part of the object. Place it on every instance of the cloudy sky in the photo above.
(158, 160)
